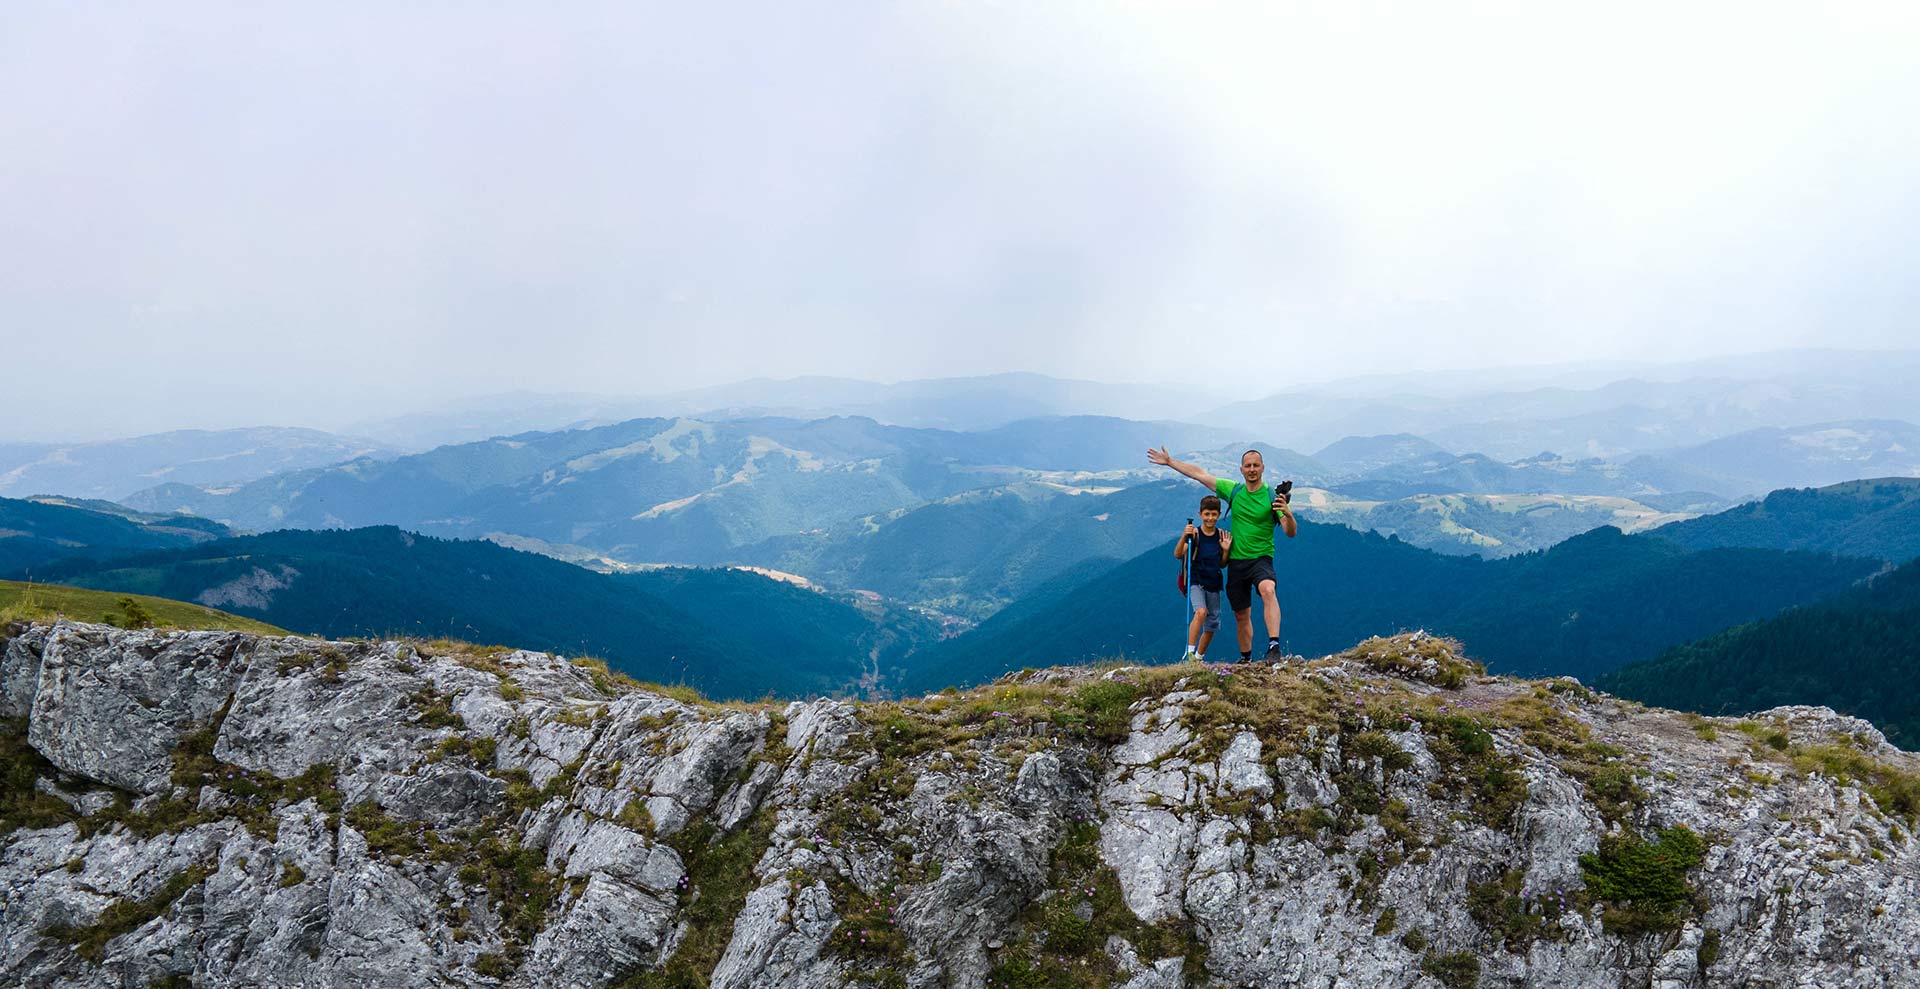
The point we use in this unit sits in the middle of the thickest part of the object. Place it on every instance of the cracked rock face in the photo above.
(219, 809)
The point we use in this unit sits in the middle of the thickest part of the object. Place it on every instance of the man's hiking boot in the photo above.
(1274, 655)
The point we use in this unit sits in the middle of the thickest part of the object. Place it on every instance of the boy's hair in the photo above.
(1210, 504)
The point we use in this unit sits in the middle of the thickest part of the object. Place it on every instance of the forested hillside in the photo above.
(1878, 518)
(729, 633)
(39, 531)
(1857, 652)
(1586, 606)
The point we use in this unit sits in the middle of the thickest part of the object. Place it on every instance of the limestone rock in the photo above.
(112, 705)
(370, 815)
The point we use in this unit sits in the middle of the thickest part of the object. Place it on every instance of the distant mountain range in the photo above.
(1857, 652)
(1359, 455)
(963, 404)
(113, 469)
(1744, 465)
(1612, 412)
(1762, 460)
(681, 490)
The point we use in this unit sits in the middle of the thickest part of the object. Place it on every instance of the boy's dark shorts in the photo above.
(1244, 577)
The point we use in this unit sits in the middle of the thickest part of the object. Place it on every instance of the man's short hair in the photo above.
(1210, 503)
(1263, 457)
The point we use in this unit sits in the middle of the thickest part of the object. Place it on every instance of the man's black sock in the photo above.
(1246, 655)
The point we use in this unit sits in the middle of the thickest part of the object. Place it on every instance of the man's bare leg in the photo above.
(1272, 602)
(1244, 620)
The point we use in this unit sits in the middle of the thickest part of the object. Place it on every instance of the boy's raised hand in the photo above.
(1226, 541)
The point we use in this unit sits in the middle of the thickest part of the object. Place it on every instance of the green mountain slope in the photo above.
(731, 634)
(1581, 608)
(23, 601)
(1857, 652)
(1878, 518)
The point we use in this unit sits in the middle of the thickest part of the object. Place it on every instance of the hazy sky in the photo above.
(252, 213)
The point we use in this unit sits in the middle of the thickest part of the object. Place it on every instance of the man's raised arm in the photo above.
(1161, 457)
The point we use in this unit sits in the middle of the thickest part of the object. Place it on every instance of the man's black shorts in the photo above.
(1244, 577)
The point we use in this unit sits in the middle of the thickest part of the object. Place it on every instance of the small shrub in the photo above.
(385, 836)
(1709, 950)
(130, 614)
(1612, 790)
(1371, 745)
(1643, 884)
(1458, 970)
(435, 710)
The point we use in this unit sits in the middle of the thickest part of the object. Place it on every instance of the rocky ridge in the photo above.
(221, 809)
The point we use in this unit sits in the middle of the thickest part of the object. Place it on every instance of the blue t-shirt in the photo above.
(1207, 560)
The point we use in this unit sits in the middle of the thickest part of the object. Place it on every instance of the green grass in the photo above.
(124, 915)
(719, 877)
(1084, 908)
(22, 805)
(41, 602)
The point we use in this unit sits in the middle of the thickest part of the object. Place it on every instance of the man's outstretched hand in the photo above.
(1160, 456)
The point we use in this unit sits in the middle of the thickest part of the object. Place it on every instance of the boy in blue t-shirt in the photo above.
(1210, 544)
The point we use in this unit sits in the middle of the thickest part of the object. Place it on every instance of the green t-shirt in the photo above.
(1253, 519)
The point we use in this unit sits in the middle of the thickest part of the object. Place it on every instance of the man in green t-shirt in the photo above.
(1254, 511)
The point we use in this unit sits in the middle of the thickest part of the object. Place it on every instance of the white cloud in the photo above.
(250, 215)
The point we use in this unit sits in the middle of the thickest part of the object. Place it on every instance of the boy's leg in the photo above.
(1196, 605)
(1213, 621)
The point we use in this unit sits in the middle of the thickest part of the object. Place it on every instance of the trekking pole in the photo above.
(1186, 630)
